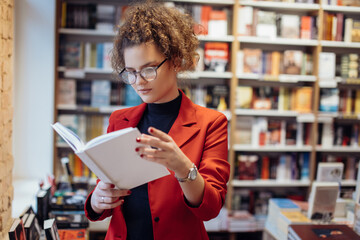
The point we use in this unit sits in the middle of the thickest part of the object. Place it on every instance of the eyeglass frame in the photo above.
(139, 72)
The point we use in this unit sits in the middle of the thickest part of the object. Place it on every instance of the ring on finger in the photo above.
(102, 199)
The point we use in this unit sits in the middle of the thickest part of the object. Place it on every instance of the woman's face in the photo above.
(164, 88)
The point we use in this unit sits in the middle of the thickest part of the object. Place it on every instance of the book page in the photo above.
(116, 161)
(106, 137)
(69, 136)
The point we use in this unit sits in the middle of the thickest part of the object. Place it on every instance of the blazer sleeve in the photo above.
(215, 170)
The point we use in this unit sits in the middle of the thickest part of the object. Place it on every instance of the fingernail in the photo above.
(136, 149)
(141, 155)
(112, 185)
(129, 192)
(138, 139)
(151, 130)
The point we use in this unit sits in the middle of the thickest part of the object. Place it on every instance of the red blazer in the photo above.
(201, 134)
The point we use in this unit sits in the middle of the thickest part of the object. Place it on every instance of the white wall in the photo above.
(33, 88)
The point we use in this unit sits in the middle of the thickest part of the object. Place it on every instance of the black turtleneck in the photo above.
(136, 207)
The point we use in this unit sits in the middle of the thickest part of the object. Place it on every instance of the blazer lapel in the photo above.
(132, 117)
(184, 127)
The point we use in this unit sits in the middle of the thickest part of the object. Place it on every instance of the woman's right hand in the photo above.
(105, 196)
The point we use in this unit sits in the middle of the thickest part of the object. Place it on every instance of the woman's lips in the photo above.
(144, 91)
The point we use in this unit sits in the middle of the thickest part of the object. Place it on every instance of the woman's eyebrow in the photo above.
(144, 65)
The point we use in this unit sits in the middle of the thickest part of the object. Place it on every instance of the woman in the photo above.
(151, 47)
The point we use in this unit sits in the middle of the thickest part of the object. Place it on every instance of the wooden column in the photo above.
(6, 114)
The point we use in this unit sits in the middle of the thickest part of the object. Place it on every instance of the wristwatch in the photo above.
(191, 176)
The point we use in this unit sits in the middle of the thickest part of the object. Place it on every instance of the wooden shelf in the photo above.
(340, 44)
(94, 32)
(342, 9)
(269, 113)
(89, 109)
(207, 38)
(249, 148)
(270, 183)
(278, 41)
(338, 149)
(286, 6)
(85, 32)
(210, 2)
(205, 74)
(284, 78)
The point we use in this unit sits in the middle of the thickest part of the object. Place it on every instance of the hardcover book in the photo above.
(51, 230)
(16, 231)
(322, 200)
(70, 219)
(290, 26)
(66, 93)
(112, 157)
(293, 62)
(329, 171)
(326, 231)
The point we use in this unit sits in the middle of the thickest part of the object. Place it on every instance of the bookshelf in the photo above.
(314, 118)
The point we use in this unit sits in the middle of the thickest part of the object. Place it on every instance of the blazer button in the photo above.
(156, 219)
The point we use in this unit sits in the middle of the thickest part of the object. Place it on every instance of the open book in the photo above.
(112, 157)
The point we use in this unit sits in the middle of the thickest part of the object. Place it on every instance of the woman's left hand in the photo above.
(164, 151)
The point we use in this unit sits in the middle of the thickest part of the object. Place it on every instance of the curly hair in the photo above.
(170, 30)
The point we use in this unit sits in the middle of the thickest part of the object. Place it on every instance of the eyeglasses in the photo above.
(148, 74)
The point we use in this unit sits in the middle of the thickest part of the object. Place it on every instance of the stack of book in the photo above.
(277, 206)
(327, 231)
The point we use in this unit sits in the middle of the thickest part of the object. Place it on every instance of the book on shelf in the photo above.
(72, 233)
(43, 204)
(355, 32)
(306, 26)
(100, 93)
(329, 100)
(327, 66)
(322, 200)
(330, 171)
(293, 61)
(252, 60)
(69, 219)
(71, 54)
(32, 227)
(51, 230)
(105, 17)
(247, 167)
(218, 23)
(287, 218)
(27, 210)
(290, 26)
(245, 22)
(278, 206)
(83, 93)
(101, 157)
(216, 56)
(243, 130)
(66, 94)
(17, 231)
(327, 135)
(321, 231)
(244, 97)
(303, 99)
(78, 15)
(305, 166)
(265, 24)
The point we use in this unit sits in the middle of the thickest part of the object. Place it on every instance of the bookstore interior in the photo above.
(286, 74)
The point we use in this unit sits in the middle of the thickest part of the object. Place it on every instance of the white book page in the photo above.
(106, 137)
(69, 136)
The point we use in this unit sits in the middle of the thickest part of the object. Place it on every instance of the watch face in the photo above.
(193, 174)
